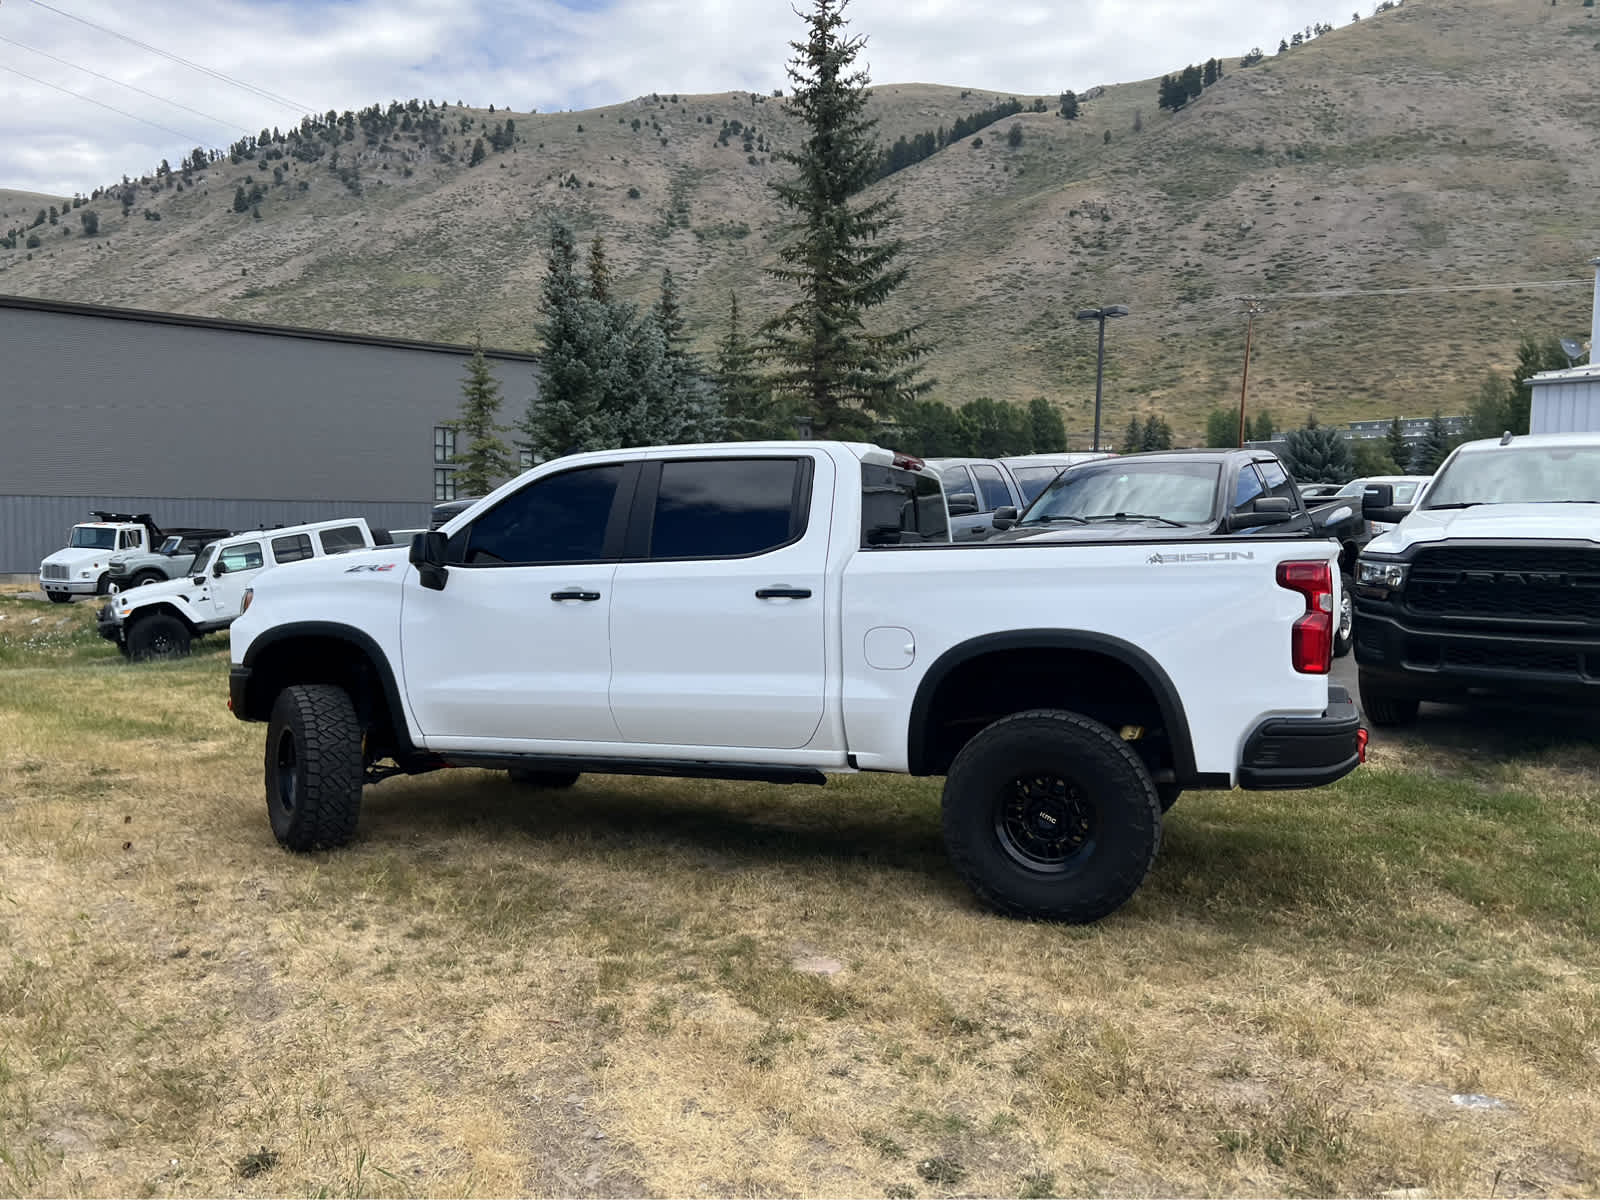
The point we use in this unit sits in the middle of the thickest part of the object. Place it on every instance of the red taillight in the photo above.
(908, 462)
(1311, 640)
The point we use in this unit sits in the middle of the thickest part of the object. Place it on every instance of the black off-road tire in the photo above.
(1384, 708)
(145, 578)
(1051, 814)
(60, 597)
(1344, 621)
(313, 767)
(528, 777)
(159, 635)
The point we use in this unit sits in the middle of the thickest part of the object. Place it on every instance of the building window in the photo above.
(444, 443)
(444, 484)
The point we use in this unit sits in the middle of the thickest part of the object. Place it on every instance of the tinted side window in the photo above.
(994, 491)
(1248, 487)
(727, 508)
(292, 548)
(345, 537)
(244, 557)
(898, 507)
(561, 518)
(1277, 481)
(956, 480)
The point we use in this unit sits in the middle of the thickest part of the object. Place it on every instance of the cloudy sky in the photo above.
(299, 56)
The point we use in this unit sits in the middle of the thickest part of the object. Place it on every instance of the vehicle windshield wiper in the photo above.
(1126, 516)
(1045, 520)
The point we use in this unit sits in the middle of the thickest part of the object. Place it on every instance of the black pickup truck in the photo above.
(1195, 494)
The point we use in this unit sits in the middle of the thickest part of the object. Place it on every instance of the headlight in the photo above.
(83, 574)
(244, 603)
(1381, 574)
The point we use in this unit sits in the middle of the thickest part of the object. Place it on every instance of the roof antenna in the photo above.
(1505, 438)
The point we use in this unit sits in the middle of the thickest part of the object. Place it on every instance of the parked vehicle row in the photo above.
(111, 548)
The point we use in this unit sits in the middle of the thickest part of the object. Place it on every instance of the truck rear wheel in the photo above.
(542, 779)
(1344, 630)
(1386, 708)
(160, 635)
(1051, 814)
(313, 767)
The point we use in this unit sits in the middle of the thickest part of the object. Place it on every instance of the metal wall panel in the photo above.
(93, 405)
(1566, 406)
(34, 526)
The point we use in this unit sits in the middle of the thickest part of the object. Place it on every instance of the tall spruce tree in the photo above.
(747, 401)
(1317, 454)
(486, 460)
(1132, 437)
(599, 270)
(838, 253)
(1049, 430)
(1433, 448)
(1399, 452)
(569, 413)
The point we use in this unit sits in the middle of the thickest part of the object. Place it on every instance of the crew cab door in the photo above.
(718, 609)
(514, 651)
(239, 564)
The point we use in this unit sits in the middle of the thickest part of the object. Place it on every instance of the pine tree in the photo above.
(1133, 437)
(1156, 434)
(746, 399)
(241, 202)
(1399, 452)
(568, 415)
(838, 254)
(1222, 427)
(1262, 430)
(478, 153)
(599, 271)
(1433, 448)
(1049, 430)
(1069, 105)
(1317, 454)
(486, 460)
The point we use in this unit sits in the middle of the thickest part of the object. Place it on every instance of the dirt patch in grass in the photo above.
(612, 990)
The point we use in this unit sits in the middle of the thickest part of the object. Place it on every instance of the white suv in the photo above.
(162, 619)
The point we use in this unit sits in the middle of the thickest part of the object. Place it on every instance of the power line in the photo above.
(120, 83)
(193, 66)
(1340, 293)
(189, 137)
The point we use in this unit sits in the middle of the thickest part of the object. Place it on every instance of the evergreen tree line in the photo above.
(981, 428)
(1153, 433)
(905, 153)
(1177, 90)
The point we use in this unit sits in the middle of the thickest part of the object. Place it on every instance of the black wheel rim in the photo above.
(288, 773)
(162, 644)
(1347, 615)
(1045, 822)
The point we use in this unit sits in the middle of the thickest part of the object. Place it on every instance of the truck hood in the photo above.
(1493, 522)
(1104, 531)
(79, 556)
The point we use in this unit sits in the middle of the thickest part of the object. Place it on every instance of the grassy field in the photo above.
(684, 988)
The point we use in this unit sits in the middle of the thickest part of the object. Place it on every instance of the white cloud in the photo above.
(343, 54)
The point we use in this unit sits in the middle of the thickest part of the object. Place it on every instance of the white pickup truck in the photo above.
(784, 611)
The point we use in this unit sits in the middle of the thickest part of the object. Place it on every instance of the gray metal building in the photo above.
(200, 421)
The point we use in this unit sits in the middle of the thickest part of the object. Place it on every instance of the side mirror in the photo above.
(1377, 504)
(962, 504)
(427, 555)
(1005, 516)
(220, 569)
(1268, 510)
(1272, 504)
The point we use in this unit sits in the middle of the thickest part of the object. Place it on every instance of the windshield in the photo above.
(202, 559)
(92, 537)
(1176, 491)
(1518, 475)
(172, 545)
(1033, 480)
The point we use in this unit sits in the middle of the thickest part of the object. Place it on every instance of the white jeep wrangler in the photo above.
(161, 620)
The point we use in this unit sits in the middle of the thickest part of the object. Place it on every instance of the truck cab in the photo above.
(83, 566)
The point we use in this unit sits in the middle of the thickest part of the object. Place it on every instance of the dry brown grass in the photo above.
(593, 993)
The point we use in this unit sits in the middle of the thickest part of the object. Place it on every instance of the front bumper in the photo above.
(1442, 664)
(1305, 752)
(106, 622)
(72, 587)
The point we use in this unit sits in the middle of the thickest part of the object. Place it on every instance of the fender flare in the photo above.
(361, 640)
(1142, 664)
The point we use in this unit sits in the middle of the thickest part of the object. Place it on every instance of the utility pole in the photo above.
(1252, 307)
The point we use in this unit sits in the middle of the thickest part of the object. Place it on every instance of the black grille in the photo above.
(1506, 584)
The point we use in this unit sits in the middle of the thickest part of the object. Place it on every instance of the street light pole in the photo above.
(1100, 314)
(1252, 307)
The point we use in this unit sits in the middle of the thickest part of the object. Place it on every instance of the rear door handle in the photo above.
(783, 593)
(574, 595)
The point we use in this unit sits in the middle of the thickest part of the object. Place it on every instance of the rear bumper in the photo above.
(1304, 752)
(1441, 664)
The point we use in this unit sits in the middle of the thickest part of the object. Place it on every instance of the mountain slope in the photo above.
(1445, 142)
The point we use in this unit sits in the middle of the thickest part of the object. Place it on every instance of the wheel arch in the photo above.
(928, 754)
(324, 652)
(165, 609)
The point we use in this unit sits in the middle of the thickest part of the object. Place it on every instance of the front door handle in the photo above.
(574, 595)
(783, 593)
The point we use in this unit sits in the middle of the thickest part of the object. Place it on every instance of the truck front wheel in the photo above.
(60, 597)
(313, 767)
(1051, 814)
(160, 635)
(146, 578)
